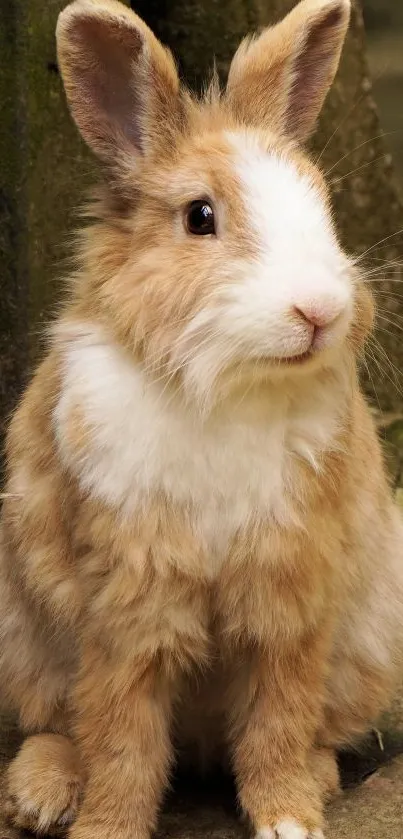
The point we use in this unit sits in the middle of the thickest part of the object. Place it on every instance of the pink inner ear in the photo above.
(110, 103)
(312, 72)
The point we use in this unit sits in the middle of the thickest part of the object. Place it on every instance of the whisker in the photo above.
(340, 124)
(389, 312)
(351, 110)
(384, 279)
(371, 378)
(385, 373)
(357, 148)
(391, 323)
(380, 349)
(380, 269)
(381, 241)
(378, 346)
(378, 259)
(397, 298)
(358, 169)
(377, 362)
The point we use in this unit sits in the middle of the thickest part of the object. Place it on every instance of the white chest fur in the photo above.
(237, 464)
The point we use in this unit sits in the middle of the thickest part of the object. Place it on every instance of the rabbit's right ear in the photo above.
(280, 79)
(121, 83)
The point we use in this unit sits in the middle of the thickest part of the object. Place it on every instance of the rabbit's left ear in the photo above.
(280, 79)
(121, 83)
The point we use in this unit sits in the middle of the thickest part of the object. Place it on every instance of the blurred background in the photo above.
(45, 168)
(384, 28)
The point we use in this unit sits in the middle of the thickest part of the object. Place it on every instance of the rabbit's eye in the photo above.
(200, 218)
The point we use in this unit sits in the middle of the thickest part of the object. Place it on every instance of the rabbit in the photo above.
(199, 543)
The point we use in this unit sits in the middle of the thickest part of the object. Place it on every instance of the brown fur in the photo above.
(112, 634)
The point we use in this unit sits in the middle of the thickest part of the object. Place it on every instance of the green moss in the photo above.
(57, 164)
(13, 285)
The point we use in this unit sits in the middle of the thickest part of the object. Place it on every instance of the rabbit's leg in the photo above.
(36, 662)
(45, 783)
(123, 732)
(325, 771)
(358, 691)
(273, 725)
(367, 658)
(37, 648)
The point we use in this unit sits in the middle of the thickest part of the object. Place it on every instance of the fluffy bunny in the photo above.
(199, 541)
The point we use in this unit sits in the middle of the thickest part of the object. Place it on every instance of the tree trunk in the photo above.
(43, 169)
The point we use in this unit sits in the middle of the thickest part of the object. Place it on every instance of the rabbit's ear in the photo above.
(279, 80)
(121, 83)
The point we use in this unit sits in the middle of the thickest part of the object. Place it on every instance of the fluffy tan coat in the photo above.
(199, 547)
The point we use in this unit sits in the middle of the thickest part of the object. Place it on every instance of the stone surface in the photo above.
(370, 811)
(373, 810)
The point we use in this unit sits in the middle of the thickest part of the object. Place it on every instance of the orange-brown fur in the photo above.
(53, 779)
(113, 636)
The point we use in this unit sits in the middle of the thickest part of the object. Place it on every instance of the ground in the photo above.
(370, 807)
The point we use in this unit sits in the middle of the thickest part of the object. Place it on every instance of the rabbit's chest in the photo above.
(139, 443)
(223, 479)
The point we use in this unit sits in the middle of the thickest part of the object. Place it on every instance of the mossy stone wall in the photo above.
(44, 169)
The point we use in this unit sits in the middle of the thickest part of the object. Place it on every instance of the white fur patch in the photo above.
(237, 464)
(288, 829)
(297, 264)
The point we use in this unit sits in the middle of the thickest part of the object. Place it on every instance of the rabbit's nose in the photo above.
(319, 313)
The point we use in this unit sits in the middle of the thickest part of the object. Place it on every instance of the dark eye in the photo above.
(200, 218)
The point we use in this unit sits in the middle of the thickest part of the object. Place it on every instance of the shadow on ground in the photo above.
(205, 808)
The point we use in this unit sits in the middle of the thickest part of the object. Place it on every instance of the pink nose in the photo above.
(319, 314)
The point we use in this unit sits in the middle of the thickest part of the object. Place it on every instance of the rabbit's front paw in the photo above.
(288, 830)
(44, 785)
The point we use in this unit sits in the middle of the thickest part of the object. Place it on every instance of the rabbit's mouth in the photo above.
(322, 340)
(296, 359)
(309, 360)
(285, 361)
